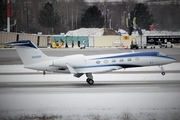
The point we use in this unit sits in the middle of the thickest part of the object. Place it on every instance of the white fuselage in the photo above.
(34, 58)
(101, 63)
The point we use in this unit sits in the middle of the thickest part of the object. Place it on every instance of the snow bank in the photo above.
(122, 32)
(154, 32)
(86, 32)
(100, 31)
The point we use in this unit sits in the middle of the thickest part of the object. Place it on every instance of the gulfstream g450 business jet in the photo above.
(34, 58)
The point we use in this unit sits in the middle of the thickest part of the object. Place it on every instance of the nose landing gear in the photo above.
(163, 73)
(162, 69)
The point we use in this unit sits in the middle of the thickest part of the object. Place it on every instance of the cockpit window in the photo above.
(161, 54)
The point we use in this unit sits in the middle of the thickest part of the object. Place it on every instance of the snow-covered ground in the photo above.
(89, 106)
(149, 33)
(91, 102)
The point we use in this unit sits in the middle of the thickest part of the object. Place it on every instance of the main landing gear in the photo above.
(89, 79)
(44, 72)
(162, 69)
(89, 76)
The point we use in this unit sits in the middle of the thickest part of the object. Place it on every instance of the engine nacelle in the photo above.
(73, 60)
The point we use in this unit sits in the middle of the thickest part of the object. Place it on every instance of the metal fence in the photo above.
(39, 40)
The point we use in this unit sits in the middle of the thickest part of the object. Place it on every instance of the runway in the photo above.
(72, 100)
(140, 93)
(113, 96)
(81, 87)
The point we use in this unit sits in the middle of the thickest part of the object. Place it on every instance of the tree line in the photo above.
(29, 15)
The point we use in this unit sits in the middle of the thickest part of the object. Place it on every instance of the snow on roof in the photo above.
(86, 32)
(100, 32)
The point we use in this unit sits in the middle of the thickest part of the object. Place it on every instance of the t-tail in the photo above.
(28, 52)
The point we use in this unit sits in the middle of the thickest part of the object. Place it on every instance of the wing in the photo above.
(92, 69)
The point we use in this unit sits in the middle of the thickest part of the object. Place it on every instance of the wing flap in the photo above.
(92, 69)
(97, 69)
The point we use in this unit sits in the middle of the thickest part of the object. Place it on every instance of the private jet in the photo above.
(79, 64)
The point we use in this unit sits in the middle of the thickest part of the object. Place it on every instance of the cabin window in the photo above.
(97, 62)
(121, 60)
(105, 61)
(137, 58)
(129, 59)
(113, 60)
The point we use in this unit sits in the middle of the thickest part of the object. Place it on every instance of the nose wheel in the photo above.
(90, 81)
(162, 69)
(163, 73)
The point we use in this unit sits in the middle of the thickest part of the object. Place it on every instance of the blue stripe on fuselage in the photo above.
(167, 57)
(138, 54)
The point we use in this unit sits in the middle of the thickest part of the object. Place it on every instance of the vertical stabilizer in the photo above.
(28, 52)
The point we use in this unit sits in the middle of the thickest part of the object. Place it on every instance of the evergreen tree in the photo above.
(143, 17)
(3, 13)
(48, 18)
(92, 18)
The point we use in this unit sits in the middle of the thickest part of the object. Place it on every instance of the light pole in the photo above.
(8, 15)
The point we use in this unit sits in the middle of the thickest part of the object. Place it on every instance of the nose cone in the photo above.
(170, 59)
(164, 59)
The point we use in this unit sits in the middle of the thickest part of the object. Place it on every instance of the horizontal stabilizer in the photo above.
(26, 43)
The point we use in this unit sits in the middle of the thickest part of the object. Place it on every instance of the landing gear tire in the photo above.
(87, 80)
(44, 72)
(90, 81)
(163, 73)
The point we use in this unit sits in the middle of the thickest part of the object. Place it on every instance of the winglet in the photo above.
(71, 69)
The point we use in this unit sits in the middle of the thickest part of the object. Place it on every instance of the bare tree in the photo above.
(70, 13)
(166, 14)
